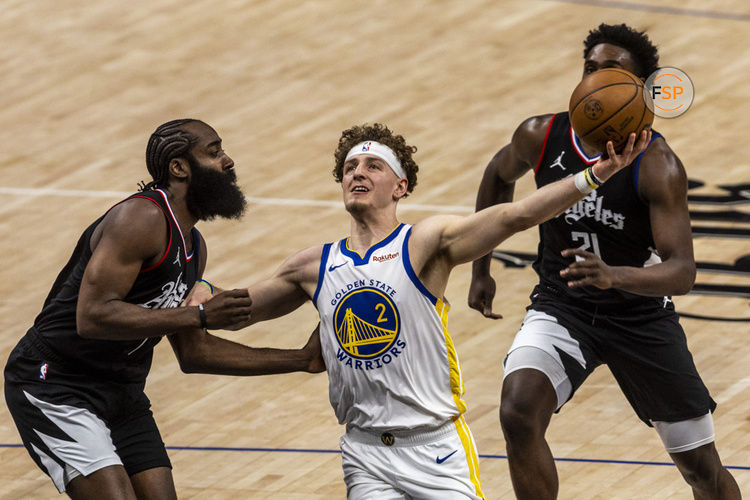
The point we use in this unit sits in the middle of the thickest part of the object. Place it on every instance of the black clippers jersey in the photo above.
(612, 222)
(160, 286)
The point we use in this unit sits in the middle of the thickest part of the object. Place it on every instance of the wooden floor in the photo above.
(84, 83)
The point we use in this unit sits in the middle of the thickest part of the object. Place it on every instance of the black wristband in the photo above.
(202, 313)
(594, 177)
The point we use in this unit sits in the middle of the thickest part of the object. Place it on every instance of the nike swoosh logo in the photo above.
(333, 268)
(441, 460)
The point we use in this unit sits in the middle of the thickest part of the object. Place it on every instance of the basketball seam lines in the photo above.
(602, 122)
(607, 70)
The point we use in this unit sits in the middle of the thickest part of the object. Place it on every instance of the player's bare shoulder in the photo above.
(528, 139)
(136, 213)
(135, 222)
(430, 241)
(303, 267)
(660, 172)
(522, 154)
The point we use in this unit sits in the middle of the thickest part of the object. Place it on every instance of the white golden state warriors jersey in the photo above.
(391, 363)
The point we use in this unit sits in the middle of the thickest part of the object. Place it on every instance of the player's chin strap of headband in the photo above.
(381, 151)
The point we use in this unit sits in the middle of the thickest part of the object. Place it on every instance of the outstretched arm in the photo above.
(498, 183)
(200, 352)
(663, 185)
(442, 242)
(287, 289)
(291, 285)
(465, 239)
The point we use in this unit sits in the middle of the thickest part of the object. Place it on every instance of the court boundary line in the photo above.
(481, 455)
(256, 200)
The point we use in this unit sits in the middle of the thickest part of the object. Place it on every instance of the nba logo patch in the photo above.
(366, 146)
(43, 371)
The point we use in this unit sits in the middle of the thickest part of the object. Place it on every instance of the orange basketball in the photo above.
(607, 106)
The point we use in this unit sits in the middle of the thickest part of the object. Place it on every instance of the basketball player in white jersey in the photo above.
(394, 376)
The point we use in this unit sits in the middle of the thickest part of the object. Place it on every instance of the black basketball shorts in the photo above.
(74, 424)
(646, 351)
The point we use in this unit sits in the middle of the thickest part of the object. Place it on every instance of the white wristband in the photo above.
(581, 183)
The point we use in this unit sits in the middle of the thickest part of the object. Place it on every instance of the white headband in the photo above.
(381, 151)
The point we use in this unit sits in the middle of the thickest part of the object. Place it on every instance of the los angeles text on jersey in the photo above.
(367, 325)
(591, 207)
(172, 295)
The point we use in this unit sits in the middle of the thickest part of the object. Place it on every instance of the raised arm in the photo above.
(465, 239)
(663, 185)
(131, 235)
(439, 243)
(498, 183)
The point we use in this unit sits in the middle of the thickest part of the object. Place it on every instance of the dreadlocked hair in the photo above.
(169, 141)
(379, 133)
(644, 52)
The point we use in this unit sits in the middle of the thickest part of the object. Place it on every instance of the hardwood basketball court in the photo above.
(84, 84)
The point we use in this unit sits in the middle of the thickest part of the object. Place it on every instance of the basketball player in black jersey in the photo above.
(596, 303)
(74, 383)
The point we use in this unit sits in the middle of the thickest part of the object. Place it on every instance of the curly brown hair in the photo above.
(382, 134)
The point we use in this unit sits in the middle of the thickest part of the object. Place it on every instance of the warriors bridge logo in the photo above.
(367, 326)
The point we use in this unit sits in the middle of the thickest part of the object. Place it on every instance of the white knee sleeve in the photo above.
(686, 435)
(537, 359)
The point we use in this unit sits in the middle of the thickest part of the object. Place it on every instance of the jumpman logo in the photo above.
(177, 258)
(667, 300)
(558, 162)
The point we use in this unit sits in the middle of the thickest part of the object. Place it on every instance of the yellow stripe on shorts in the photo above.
(471, 453)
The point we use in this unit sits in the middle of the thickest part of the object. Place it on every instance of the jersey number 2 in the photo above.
(381, 308)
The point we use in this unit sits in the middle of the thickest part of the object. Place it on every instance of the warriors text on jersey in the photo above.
(612, 222)
(390, 360)
(160, 286)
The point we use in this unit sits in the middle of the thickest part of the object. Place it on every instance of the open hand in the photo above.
(610, 163)
(588, 269)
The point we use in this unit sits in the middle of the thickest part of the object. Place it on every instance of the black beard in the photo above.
(211, 193)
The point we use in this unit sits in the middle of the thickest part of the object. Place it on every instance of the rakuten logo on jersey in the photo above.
(591, 208)
(383, 258)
